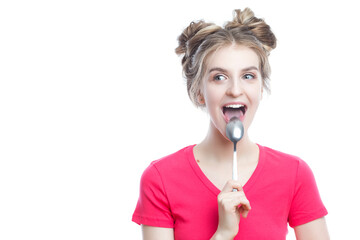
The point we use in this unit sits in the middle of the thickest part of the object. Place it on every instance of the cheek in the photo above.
(255, 96)
(213, 96)
(211, 102)
(256, 92)
(209, 95)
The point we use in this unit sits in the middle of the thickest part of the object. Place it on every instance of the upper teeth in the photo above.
(234, 106)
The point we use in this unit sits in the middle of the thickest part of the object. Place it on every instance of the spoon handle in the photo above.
(234, 170)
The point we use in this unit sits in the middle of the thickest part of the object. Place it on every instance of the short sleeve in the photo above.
(153, 207)
(306, 205)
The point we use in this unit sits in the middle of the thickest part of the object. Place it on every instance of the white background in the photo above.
(91, 92)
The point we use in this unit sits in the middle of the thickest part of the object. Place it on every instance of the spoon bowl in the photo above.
(234, 130)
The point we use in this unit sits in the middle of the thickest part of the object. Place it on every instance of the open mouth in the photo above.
(234, 110)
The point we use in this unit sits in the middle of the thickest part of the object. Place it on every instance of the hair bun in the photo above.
(246, 19)
(192, 37)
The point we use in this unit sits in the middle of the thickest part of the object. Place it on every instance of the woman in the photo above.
(227, 70)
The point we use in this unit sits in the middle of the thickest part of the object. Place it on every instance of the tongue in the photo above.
(232, 112)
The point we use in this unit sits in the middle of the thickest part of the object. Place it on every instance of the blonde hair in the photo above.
(200, 39)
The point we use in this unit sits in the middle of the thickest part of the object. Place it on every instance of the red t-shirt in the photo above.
(175, 193)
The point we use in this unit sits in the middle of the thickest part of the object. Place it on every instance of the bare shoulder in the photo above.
(157, 233)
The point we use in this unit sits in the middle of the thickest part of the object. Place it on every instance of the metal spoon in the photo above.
(234, 131)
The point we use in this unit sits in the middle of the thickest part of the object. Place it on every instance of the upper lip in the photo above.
(235, 104)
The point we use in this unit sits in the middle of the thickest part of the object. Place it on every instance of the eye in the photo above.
(219, 77)
(249, 76)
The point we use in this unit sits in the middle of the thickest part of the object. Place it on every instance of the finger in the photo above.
(244, 213)
(243, 203)
(237, 200)
(244, 208)
(231, 184)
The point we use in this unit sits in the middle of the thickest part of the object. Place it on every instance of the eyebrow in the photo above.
(224, 70)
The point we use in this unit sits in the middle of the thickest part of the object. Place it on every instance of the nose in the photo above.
(235, 88)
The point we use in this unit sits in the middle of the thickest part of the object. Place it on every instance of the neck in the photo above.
(221, 149)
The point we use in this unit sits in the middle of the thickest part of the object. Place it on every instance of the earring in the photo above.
(201, 100)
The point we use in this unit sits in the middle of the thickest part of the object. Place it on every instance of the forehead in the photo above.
(233, 57)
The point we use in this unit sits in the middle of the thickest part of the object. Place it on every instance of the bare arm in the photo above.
(157, 233)
(314, 230)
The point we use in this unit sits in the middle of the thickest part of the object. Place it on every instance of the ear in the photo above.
(201, 99)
